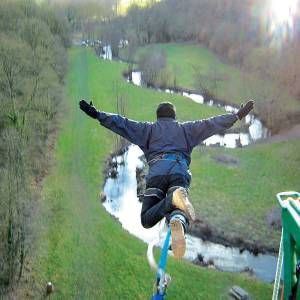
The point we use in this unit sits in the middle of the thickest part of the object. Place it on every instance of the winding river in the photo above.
(253, 131)
(122, 201)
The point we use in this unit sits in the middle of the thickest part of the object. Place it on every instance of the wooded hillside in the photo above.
(242, 32)
(33, 64)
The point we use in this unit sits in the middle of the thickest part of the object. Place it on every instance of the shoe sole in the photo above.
(177, 238)
(182, 202)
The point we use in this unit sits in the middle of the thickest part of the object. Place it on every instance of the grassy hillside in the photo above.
(82, 250)
(233, 84)
(236, 198)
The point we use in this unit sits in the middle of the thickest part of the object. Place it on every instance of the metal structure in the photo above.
(289, 251)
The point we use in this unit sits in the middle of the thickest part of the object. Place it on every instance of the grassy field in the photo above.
(233, 85)
(81, 249)
(237, 198)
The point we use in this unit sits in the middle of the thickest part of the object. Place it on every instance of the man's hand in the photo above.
(89, 109)
(245, 109)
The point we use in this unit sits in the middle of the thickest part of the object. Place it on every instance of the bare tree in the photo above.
(31, 72)
(208, 82)
(121, 107)
(151, 64)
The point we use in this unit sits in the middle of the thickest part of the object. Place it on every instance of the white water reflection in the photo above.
(107, 53)
(231, 259)
(230, 140)
(256, 129)
(122, 202)
(195, 97)
(137, 78)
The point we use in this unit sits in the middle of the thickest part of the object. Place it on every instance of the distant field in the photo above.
(81, 248)
(233, 85)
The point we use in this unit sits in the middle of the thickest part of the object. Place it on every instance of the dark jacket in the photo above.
(166, 135)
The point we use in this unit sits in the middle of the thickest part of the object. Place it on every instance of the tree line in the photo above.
(33, 64)
(238, 31)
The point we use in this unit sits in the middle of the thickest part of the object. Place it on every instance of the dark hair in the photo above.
(166, 110)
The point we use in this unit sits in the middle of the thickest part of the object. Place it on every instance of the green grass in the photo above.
(81, 249)
(237, 198)
(235, 86)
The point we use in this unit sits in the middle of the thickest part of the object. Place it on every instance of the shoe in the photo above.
(177, 238)
(181, 201)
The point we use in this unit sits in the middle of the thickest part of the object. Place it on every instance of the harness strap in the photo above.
(176, 157)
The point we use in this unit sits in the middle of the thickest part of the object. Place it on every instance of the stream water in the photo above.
(122, 201)
(253, 131)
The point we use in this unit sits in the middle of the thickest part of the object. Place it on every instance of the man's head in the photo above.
(166, 110)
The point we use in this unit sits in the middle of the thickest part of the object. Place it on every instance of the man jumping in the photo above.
(167, 145)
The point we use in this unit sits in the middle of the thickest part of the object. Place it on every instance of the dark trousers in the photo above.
(154, 208)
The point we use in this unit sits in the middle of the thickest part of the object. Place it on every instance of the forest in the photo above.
(242, 33)
(33, 64)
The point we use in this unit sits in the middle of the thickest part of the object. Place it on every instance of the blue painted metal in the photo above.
(290, 205)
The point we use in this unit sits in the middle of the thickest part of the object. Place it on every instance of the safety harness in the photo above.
(176, 157)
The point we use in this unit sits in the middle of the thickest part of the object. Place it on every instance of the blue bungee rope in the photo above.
(161, 280)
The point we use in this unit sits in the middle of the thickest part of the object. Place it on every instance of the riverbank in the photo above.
(229, 222)
(124, 176)
(186, 57)
(84, 252)
(274, 105)
(268, 218)
(213, 225)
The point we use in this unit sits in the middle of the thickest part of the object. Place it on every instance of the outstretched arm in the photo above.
(136, 132)
(198, 131)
